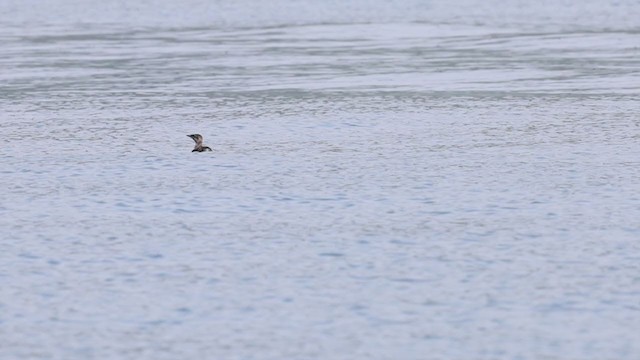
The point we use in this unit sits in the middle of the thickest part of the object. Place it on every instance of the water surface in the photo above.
(389, 180)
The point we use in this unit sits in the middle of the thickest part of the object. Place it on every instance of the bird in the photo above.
(199, 147)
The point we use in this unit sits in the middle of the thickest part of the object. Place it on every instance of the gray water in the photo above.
(390, 180)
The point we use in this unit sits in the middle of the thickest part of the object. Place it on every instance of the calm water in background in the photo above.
(390, 180)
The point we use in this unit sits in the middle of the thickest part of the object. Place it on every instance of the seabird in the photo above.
(199, 147)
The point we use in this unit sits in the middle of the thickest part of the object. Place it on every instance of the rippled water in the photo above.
(389, 180)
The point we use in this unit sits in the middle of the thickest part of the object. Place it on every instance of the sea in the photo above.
(389, 180)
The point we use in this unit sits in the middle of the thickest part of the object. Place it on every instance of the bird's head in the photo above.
(196, 137)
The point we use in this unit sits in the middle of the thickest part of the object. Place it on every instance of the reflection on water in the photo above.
(215, 63)
(387, 181)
